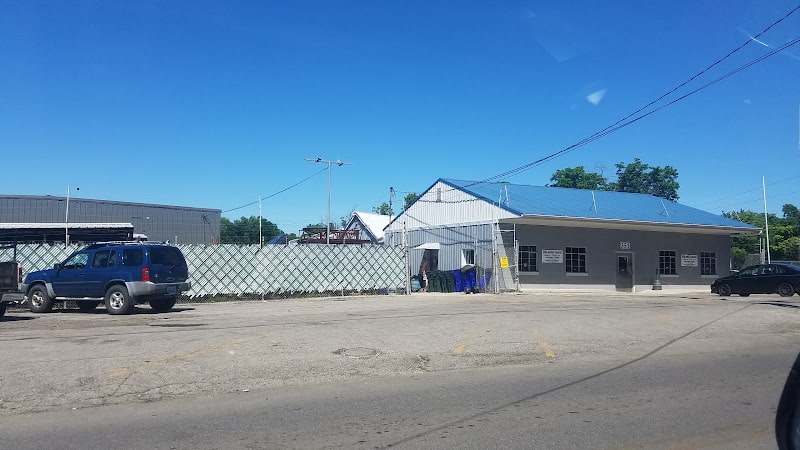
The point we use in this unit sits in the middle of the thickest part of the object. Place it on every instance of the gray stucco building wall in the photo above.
(603, 246)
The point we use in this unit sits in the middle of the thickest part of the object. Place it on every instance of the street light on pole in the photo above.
(338, 163)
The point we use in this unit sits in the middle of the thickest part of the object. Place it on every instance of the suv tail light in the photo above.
(19, 274)
(146, 274)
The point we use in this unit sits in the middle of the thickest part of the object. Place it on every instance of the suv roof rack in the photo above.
(109, 243)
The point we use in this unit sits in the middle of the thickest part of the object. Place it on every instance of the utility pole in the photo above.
(66, 220)
(391, 197)
(766, 217)
(338, 163)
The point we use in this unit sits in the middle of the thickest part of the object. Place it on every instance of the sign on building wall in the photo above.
(552, 256)
(625, 245)
(689, 260)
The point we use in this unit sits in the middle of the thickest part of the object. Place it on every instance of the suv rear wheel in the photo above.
(163, 304)
(118, 300)
(39, 300)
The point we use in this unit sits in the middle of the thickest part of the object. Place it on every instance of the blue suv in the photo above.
(121, 274)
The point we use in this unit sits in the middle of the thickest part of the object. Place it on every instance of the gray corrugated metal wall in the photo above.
(158, 222)
(453, 240)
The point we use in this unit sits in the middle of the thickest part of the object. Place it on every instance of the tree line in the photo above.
(244, 230)
(636, 177)
(784, 235)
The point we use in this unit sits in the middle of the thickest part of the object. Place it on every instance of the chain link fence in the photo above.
(242, 272)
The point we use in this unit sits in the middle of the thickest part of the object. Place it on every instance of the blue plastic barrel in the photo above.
(459, 281)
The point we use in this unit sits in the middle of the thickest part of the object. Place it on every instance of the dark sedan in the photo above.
(762, 279)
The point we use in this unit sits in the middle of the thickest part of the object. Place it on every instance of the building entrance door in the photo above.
(624, 272)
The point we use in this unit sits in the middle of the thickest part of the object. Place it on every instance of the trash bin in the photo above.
(415, 284)
(466, 281)
(458, 282)
(450, 281)
(472, 276)
(435, 281)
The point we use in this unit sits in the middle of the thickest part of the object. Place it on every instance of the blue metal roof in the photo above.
(583, 203)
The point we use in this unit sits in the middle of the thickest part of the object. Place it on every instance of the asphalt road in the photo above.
(567, 370)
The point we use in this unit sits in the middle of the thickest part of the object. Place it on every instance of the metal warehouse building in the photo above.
(177, 224)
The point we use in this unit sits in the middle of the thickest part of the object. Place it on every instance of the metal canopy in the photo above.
(56, 232)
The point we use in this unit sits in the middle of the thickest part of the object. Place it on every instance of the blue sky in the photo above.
(217, 103)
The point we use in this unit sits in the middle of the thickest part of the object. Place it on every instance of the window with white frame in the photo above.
(708, 263)
(527, 258)
(667, 262)
(468, 256)
(575, 259)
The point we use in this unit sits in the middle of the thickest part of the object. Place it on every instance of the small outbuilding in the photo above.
(369, 225)
(546, 237)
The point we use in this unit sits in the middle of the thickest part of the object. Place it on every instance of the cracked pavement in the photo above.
(72, 360)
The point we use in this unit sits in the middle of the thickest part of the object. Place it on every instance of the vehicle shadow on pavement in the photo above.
(781, 304)
(13, 318)
(102, 311)
(146, 310)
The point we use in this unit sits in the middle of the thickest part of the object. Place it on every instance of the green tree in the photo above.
(792, 214)
(789, 249)
(645, 179)
(384, 209)
(738, 257)
(784, 234)
(245, 230)
(746, 245)
(578, 178)
(410, 198)
(750, 217)
(635, 177)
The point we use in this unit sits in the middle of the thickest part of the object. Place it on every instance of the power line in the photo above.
(761, 198)
(718, 200)
(699, 74)
(608, 130)
(625, 121)
(279, 192)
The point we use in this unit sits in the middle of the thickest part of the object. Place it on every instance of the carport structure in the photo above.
(62, 232)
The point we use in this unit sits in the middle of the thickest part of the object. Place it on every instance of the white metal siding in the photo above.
(445, 205)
